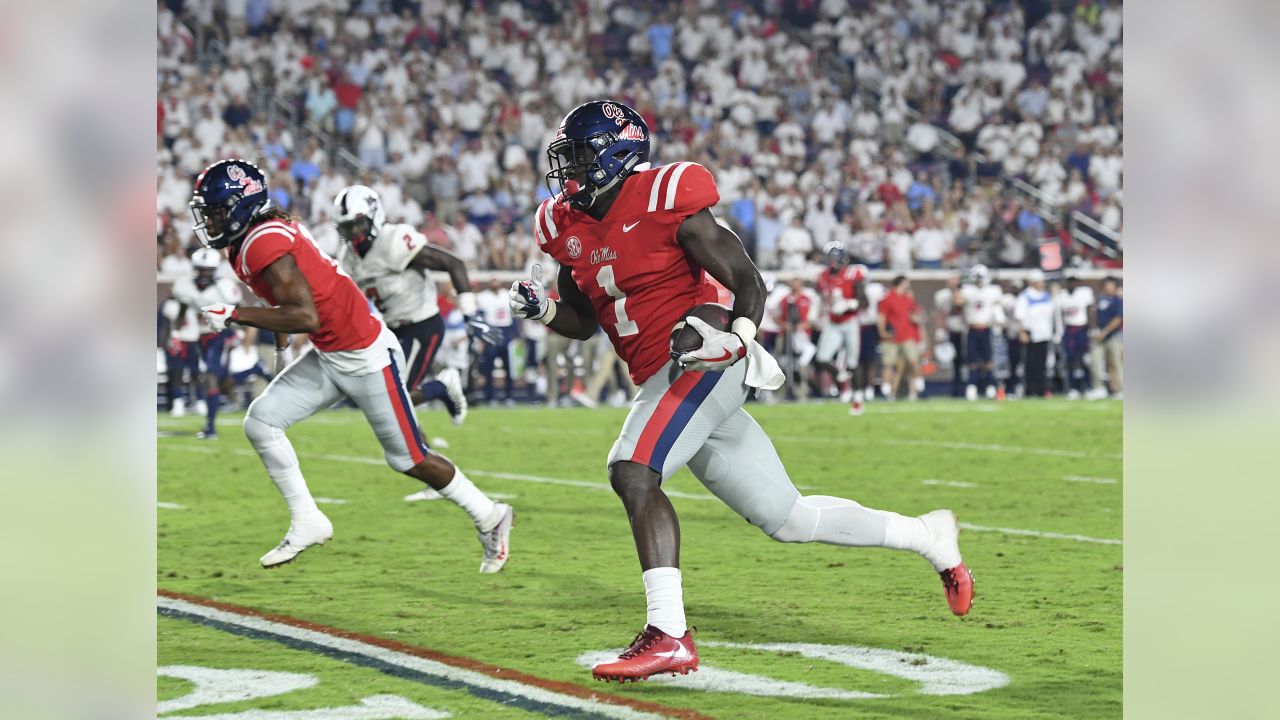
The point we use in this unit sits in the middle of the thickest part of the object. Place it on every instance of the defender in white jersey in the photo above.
(207, 348)
(864, 376)
(982, 311)
(391, 264)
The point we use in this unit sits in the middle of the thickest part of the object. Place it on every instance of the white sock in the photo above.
(857, 396)
(906, 533)
(282, 466)
(665, 600)
(467, 496)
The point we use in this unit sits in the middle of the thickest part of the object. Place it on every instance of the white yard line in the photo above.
(586, 484)
(1038, 533)
(170, 506)
(1087, 479)
(949, 483)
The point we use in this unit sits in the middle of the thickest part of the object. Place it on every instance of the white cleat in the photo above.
(942, 526)
(423, 494)
(991, 392)
(1095, 394)
(315, 530)
(1073, 394)
(971, 393)
(846, 396)
(453, 386)
(179, 408)
(202, 408)
(496, 542)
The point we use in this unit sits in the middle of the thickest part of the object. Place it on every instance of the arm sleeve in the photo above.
(263, 248)
(687, 190)
(403, 244)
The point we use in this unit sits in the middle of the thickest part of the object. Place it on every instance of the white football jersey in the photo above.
(191, 326)
(875, 292)
(943, 301)
(1075, 306)
(982, 306)
(401, 294)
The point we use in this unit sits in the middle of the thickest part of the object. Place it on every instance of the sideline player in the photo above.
(982, 309)
(354, 356)
(1076, 303)
(196, 292)
(841, 287)
(392, 264)
(632, 243)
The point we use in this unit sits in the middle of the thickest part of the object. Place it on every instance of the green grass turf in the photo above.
(1048, 612)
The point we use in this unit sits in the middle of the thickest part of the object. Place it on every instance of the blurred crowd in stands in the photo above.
(921, 134)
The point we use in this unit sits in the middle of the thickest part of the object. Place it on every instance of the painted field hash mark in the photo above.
(490, 682)
(1040, 533)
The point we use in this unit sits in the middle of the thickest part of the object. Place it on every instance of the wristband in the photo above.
(550, 314)
(744, 329)
(467, 303)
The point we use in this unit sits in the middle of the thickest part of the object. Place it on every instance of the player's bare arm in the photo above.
(860, 293)
(718, 250)
(575, 318)
(295, 311)
(431, 257)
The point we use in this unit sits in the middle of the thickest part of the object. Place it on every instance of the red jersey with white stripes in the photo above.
(638, 278)
(345, 320)
(839, 285)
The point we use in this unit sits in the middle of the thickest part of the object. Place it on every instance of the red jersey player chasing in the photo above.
(633, 242)
(354, 356)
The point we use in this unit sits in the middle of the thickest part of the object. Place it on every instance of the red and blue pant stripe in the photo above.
(674, 411)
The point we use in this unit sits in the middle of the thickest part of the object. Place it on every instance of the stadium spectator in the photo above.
(1041, 324)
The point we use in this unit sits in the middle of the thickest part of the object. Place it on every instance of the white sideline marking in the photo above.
(949, 483)
(407, 661)
(1087, 479)
(936, 675)
(170, 506)
(880, 407)
(213, 686)
(330, 501)
(948, 445)
(1038, 533)
(598, 486)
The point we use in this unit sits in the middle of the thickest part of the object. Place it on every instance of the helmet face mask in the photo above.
(357, 232)
(835, 254)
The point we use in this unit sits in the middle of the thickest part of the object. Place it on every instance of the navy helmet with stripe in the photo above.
(597, 145)
(227, 195)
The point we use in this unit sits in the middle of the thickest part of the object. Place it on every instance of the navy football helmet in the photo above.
(227, 195)
(598, 144)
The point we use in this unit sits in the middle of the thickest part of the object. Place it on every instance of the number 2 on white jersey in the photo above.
(625, 325)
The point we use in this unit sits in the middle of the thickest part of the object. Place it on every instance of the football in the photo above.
(685, 339)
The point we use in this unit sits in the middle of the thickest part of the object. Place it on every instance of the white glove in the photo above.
(719, 349)
(527, 302)
(844, 305)
(218, 315)
(284, 356)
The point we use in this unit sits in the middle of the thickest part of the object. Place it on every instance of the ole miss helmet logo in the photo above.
(251, 186)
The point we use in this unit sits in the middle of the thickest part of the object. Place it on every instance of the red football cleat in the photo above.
(958, 584)
(652, 652)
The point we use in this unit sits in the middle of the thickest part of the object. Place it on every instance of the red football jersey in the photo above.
(637, 276)
(837, 285)
(345, 320)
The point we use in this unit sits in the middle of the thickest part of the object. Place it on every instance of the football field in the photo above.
(392, 620)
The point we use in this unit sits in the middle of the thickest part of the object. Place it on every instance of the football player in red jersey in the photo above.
(633, 242)
(841, 287)
(355, 356)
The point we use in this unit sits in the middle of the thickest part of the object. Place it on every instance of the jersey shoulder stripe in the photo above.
(274, 227)
(538, 214)
(674, 183)
(657, 185)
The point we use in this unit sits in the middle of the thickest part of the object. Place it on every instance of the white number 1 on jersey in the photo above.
(625, 326)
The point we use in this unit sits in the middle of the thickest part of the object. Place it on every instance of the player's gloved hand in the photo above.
(719, 349)
(484, 332)
(218, 315)
(528, 302)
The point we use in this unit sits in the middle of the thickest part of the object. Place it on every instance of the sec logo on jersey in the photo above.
(574, 246)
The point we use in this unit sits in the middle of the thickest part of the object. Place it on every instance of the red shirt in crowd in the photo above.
(897, 310)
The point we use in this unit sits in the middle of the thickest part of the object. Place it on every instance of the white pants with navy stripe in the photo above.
(310, 385)
(696, 419)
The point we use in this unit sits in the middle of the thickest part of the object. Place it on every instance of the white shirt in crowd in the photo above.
(931, 244)
(494, 305)
(898, 248)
